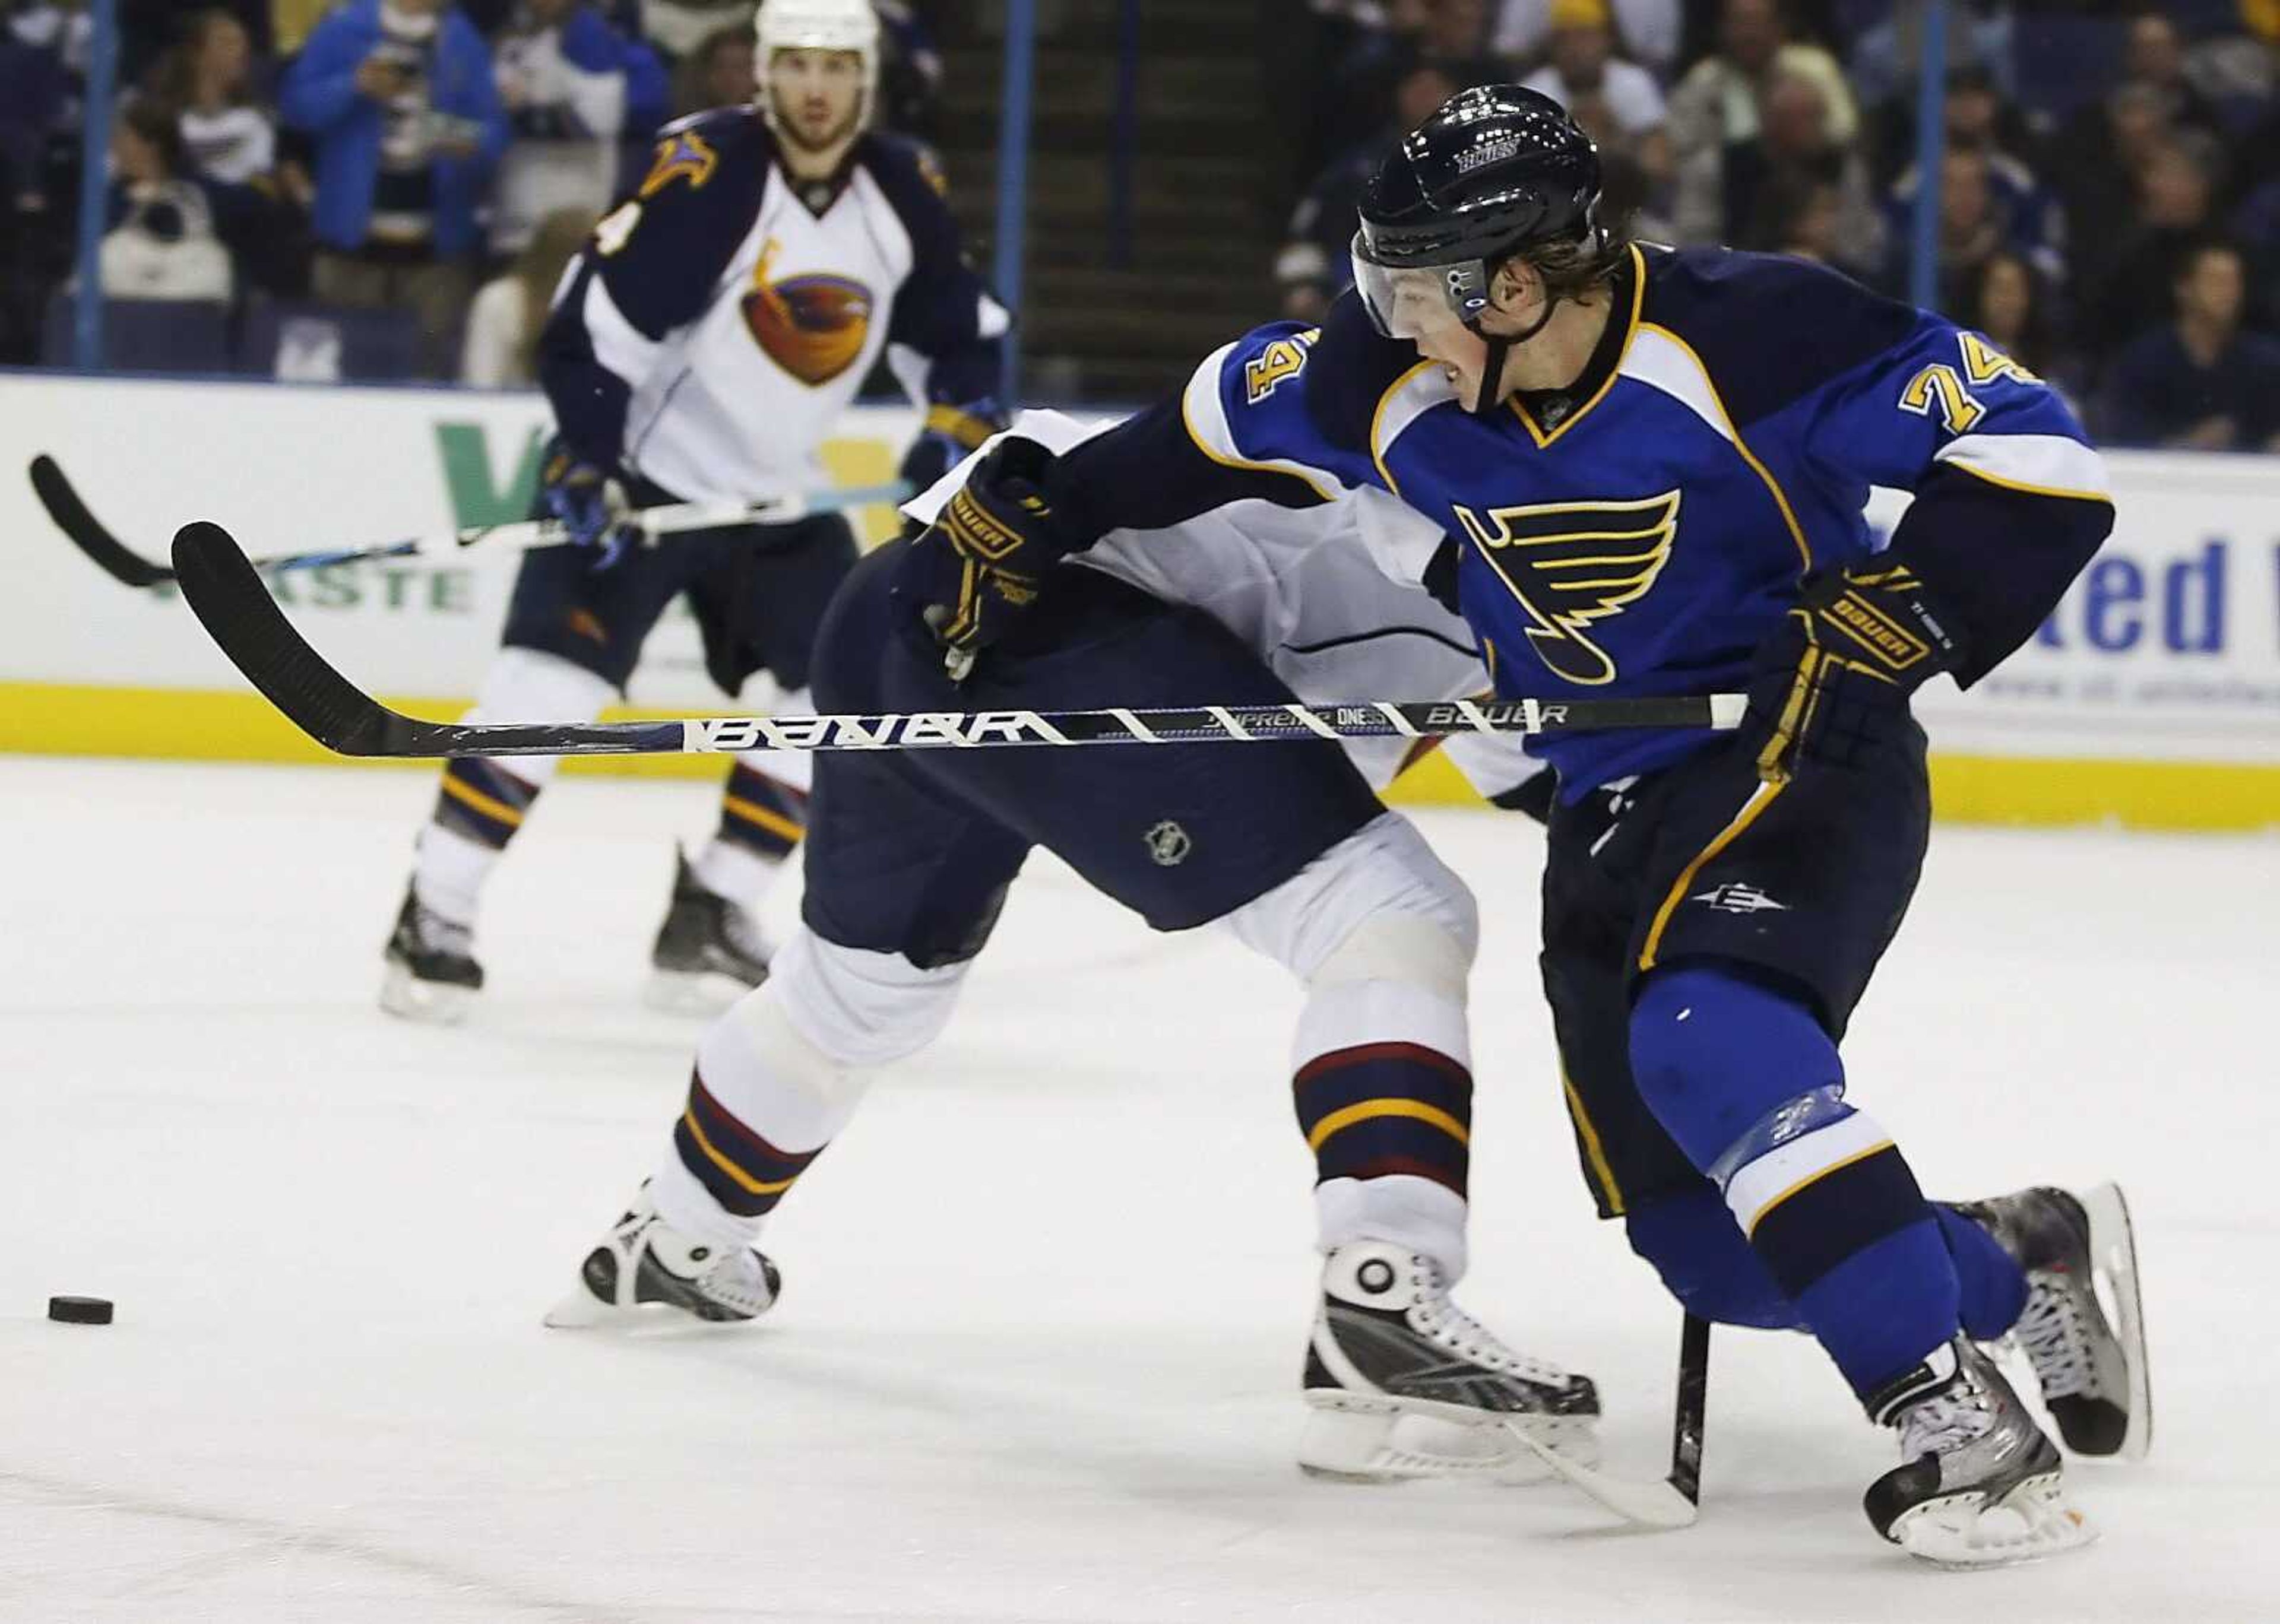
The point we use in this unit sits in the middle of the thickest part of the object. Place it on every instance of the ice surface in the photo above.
(1044, 1304)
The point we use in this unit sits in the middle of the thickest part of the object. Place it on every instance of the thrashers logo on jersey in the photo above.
(812, 325)
(1569, 564)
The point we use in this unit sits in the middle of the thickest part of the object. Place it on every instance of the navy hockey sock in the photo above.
(1750, 1088)
(482, 800)
(1387, 1108)
(741, 1171)
(763, 814)
(1706, 1264)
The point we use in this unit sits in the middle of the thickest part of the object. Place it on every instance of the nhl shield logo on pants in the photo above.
(1168, 844)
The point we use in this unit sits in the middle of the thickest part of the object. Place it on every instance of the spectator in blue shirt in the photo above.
(2200, 383)
(399, 97)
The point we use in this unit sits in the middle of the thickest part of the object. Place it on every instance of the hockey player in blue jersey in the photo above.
(718, 323)
(1650, 466)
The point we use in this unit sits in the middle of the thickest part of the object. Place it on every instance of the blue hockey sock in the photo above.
(1994, 1286)
(1704, 1263)
(1749, 1085)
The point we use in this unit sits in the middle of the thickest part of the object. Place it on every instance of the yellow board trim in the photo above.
(1370, 1108)
(511, 816)
(753, 811)
(1594, 1153)
(1761, 797)
(744, 1180)
(1781, 498)
(1814, 1178)
(61, 718)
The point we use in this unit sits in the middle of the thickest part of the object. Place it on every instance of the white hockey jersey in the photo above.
(725, 314)
(1314, 591)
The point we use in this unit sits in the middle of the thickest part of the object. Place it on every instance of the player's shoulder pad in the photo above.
(1347, 367)
(727, 149)
(910, 177)
(1357, 367)
(1768, 329)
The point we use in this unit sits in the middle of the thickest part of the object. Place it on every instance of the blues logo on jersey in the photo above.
(1568, 563)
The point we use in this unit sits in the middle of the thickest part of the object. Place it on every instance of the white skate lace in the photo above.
(1957, 1415)
(735, 1278)
(2057, 1342)
(1437, 1315)
(441, 934)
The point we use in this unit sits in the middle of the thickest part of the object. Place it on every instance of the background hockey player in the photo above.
(1653, 465)
(719, 322)
(909, 857)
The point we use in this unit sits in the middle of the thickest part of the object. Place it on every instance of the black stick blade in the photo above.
(232, 601)
(1688, 1413)
(86, 532)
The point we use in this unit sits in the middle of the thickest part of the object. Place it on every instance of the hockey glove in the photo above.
(948, 434)
(588, 504)
(1835, 679)
(979, 565)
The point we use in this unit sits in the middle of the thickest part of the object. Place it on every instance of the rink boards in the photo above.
(2152, 697)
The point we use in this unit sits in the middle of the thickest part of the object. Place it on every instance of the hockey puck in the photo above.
(80, 1310)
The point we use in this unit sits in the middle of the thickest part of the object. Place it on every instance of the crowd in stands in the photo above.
(318, 190)
(2107, 204)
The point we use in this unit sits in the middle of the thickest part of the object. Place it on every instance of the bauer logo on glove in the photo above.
(1838, 673)
(983, 560)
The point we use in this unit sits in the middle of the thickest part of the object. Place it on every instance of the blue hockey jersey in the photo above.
(1644, 532)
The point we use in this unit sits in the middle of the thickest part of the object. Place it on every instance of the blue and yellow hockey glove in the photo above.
(589, 504)
(948, 434)
(973, 571)
(1836, 678)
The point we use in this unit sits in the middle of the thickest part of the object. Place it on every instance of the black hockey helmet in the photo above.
(1495, 171)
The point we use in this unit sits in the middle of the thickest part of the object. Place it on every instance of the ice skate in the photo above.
(1982, 1485)
(432, 974)
(710, 950)
(644, 1261)
(1402, 1383)
(2092, 1368)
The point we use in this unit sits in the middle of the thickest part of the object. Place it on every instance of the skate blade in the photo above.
(1648, 1503)
(1351, 1439)
(2033, 1522)
(691, 992)
(435, 1004)
(2113, 1261)
(582, 1311)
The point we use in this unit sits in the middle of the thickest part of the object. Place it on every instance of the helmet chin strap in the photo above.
(1493, 376)
(1501, 345)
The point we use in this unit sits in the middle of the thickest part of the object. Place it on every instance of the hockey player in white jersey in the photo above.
(1287, 845)
(716, 325)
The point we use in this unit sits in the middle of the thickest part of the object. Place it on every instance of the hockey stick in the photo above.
(1673, 1502)
(225, 590)
(76, 521)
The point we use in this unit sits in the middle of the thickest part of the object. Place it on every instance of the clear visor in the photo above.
(1410, 302)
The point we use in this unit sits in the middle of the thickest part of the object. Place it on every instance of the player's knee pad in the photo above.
(1383, 935)
(858, 1007)
(1713, 1050)
(528, 685)
(1378, 906)
(1693, 1243)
